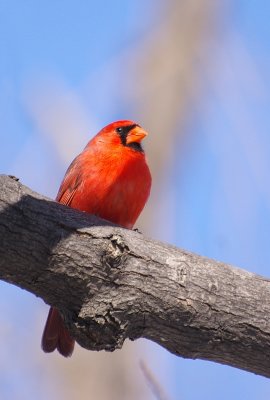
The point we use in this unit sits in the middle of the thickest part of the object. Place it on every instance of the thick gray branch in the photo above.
(111, 284)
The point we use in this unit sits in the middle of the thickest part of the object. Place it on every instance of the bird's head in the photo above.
(123, 133)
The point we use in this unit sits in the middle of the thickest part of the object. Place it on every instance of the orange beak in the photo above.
(136, 135)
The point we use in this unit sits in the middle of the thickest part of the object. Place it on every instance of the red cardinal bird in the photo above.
(111, 179)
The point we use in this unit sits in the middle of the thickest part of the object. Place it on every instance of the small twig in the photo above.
(152, 382)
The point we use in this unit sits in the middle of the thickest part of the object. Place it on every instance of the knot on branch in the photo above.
(116, 252)
(100, 329)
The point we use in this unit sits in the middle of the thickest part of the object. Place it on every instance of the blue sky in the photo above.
(219, 185)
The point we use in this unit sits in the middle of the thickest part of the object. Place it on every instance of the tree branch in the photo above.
(111, 284)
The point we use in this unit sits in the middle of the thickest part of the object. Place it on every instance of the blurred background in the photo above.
(196, 75)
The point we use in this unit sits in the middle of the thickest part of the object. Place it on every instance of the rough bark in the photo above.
(111, 284)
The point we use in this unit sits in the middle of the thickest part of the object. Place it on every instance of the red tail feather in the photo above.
(56, 336)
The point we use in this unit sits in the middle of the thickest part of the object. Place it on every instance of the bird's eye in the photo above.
(119, 130)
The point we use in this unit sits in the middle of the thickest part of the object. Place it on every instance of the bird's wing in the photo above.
(70, 183)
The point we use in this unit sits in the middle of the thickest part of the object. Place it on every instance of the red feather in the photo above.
(110, 179)
(56, 336)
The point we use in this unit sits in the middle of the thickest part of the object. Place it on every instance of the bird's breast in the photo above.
(116, 190)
